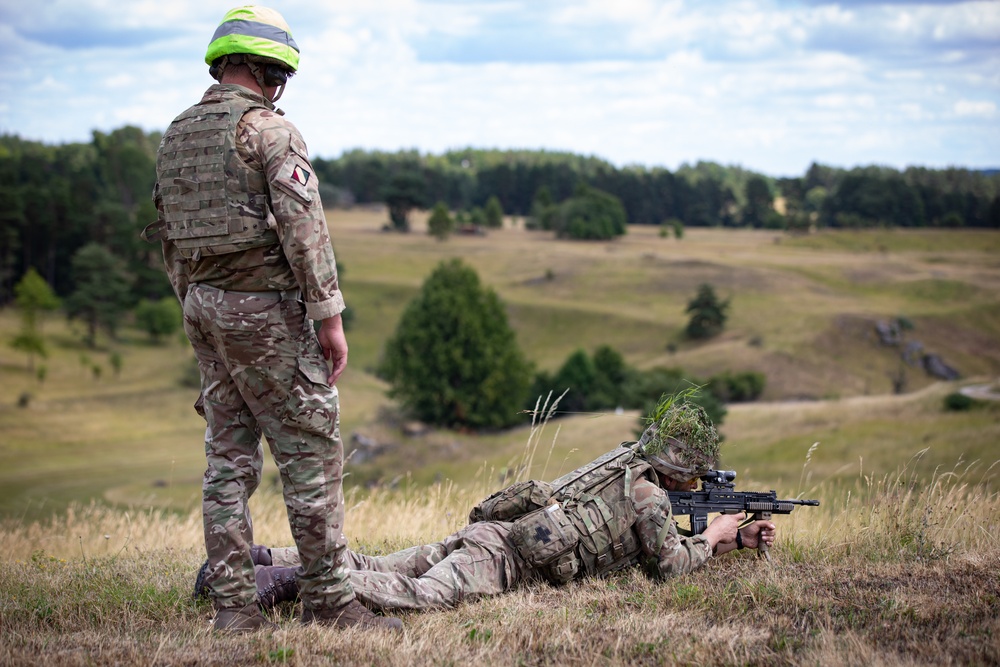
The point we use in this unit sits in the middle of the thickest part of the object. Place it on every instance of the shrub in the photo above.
(453, 359)
(737, 387)
(957, 401)
(708, 313)
(493, 213)
(159, 318)
(440, 224)
(591, 214)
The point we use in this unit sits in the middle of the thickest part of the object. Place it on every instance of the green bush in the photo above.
(957, 401)
(646, 388)
(737, 387)
(159, 318)
(440, 224)
(453, 360)
(708, 313)
(591, 214)
(605, 382)
(493, 213)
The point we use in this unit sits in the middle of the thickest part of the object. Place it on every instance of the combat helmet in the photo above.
(260, 38)
(681, 442)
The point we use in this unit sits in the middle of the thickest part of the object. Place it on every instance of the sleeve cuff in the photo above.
(701, 539)
(321, 310)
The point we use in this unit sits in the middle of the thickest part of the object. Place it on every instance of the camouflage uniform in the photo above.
(247, 311)
(481, 559)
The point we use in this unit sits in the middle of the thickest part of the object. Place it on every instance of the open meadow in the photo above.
(100, 471)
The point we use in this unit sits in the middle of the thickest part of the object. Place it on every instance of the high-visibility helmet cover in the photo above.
(257, 31)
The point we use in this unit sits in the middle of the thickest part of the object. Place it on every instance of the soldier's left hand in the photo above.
(756, 531)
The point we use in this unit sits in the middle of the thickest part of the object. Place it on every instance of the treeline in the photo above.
(56, 199)
(705, 194)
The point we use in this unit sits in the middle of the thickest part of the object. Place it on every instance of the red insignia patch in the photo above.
(300, 175)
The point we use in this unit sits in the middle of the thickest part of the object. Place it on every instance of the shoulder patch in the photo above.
(295, 178)
(300, 175)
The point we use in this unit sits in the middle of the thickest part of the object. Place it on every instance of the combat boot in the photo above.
(260, 555)
(200, 589)
(241, 620)
(352, 614)
(275, 585)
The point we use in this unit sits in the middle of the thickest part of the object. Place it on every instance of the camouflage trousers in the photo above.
(262, 370)
(476, 561)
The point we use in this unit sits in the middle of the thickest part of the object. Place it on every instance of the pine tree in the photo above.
(102, 290)
(440, 224)
(493, 213)
(453, 360)
(708, 313)
(33, 296)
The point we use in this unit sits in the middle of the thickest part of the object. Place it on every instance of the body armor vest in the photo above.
(596, 500)
(212, 202)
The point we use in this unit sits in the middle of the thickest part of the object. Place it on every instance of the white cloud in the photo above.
(771, 86)
(984, 109)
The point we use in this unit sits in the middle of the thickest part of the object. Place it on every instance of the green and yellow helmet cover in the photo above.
(681, 440)
(256, 31)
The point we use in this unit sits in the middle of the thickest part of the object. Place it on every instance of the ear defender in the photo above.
(275, 75)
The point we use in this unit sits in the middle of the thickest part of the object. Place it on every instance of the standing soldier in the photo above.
(248, 253)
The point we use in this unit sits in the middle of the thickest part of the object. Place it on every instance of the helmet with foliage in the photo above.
(259, 33)
(681, 442)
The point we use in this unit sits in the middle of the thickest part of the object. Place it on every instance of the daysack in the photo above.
(596, 499)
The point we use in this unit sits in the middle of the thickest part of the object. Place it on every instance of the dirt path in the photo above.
(983, 392)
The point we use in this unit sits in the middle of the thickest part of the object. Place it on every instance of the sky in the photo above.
(770, 85)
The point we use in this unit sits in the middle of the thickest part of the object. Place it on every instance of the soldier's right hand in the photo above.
(723, 529)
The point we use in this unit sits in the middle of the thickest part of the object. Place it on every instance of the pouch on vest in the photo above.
(544, 535)
(512, 502)
(606, 538)
(563, 569)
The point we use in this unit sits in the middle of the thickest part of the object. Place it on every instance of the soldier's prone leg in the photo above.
(412, 562)
(285, 557)
(473, 568)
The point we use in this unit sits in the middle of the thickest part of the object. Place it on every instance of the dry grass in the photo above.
(899, 571)
(99, 479)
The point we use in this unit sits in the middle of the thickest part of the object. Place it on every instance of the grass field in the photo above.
(802, 313)
(893, 573)
(100, 474)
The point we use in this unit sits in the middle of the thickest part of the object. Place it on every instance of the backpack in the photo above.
(597, 501)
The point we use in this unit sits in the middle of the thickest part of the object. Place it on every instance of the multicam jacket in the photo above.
(269, 234)
(610, 513)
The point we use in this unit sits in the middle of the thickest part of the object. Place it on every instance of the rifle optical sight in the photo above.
(719, 476)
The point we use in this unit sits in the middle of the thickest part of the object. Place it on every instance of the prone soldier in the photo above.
(612, 513)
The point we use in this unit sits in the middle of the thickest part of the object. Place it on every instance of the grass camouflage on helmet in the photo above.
(680, 440)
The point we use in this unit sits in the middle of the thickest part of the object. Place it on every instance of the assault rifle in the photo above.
(718, 495)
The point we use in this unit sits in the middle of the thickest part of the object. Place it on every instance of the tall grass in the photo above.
(902, 515)
(848, 582)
